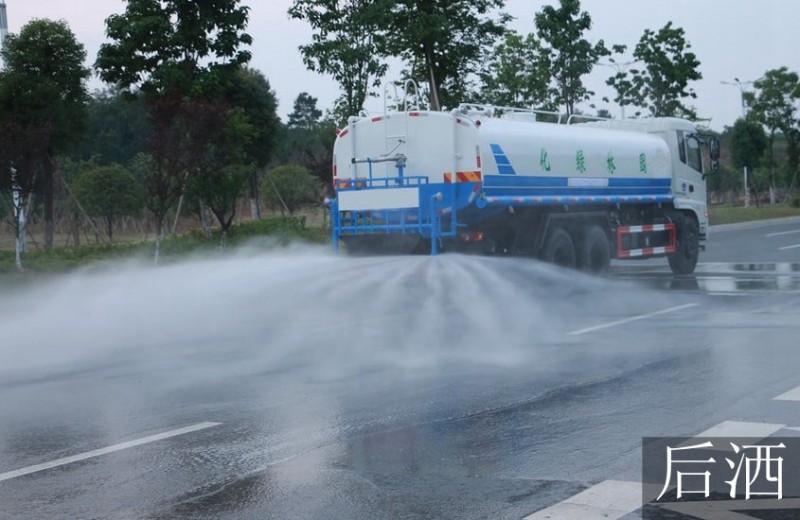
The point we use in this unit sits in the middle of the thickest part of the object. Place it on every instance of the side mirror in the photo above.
(713, 148)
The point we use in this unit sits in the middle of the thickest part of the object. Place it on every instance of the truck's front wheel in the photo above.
(559, 249)
(687, 247)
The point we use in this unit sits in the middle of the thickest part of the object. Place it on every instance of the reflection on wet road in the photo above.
(720, 278)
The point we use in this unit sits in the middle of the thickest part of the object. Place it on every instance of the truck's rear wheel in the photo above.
(559, 249)
(594, 250)
(687, 247)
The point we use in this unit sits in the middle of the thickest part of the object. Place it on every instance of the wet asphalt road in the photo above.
(454, 387)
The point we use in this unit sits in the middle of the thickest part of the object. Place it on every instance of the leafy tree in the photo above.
(109, 192)
(347, 43)
(42, 106)
(221, 178)
(305, 113)
(444, 42)
(569, 54)
(250, 92)
(176, 52)
(663, 83)
(748, 143)
(118, 128)
(289, 187)
(311, 148)
(776, 105)
(517, 74)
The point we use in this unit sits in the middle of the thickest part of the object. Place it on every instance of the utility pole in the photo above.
(742, 85)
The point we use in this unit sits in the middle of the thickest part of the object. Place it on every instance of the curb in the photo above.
(755, 224)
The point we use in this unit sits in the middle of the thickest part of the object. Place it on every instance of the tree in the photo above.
(311, 148)
(347, 44)
(569, 54)
(289, 187)
(663, 83)
(776, 105)
(176, 52)
(305, 113)
(221, 137)
(250, 91)
(118, 128)
(444, 42)
(42, 98)
(748, 143)
(517, 74)
(109, 192)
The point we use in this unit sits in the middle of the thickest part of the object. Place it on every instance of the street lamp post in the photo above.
(620, 68)
(742, 85)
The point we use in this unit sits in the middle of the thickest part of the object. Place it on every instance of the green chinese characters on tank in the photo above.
(544, 161)
(610, 165)
(642, 163)
(580, 161)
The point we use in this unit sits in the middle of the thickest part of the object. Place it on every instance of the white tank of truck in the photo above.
(470, 180)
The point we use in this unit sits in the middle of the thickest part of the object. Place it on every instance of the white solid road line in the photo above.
(631, 319)
(783, 233)
(789, 247)
(607, 500)
(791, 395)
(104, 451)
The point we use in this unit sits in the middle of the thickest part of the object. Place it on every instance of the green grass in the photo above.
(733, 214)
(264, 234)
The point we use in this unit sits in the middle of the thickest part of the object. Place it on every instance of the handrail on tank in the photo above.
(572, 117)
(408, 86)
(493, 110)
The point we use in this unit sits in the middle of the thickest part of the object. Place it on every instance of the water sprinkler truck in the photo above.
(567, 190)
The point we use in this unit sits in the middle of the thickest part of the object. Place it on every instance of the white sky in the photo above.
(732, 38)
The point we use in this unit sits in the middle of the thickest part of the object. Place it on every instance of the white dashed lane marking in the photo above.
(781, 233)
(103, 451)
(791, 395)
(630, 319)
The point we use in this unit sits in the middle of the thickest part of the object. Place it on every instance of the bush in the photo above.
(289, 187)
(795, 202)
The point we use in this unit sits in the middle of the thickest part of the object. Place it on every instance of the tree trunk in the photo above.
(47, 202)
(19, 229)
(205, 220)
(436, 104)
(20, 239)
(223, 240)
(159, 235)
(255, 207)
(177, 213)
(76, 230)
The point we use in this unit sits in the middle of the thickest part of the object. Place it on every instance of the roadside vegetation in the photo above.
(729, 214)
(185, 144)
(265, 234)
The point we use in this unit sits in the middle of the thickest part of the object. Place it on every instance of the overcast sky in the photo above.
(732, 39)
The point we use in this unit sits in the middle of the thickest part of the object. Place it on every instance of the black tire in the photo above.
(594, 250)
(559, 249)
(687, 247)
